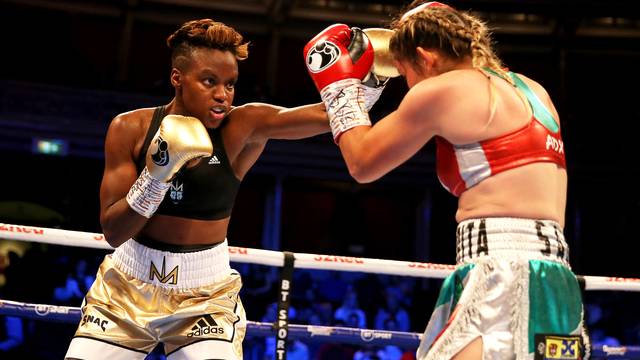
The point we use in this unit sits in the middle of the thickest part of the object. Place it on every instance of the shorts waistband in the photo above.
(510, 238)
(173, 270)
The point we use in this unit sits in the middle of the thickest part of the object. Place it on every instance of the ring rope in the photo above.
(302, 260)
(344, 335)
(355, 336)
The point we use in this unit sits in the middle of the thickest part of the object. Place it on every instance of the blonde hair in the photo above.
(457, 34)
(205, 33)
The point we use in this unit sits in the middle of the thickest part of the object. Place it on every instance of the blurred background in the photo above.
(69, 66)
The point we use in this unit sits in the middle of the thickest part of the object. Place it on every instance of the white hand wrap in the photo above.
(372, 87)
(146, 194)
(345, 103)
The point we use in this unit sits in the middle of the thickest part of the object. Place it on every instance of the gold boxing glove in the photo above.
(178, 140)
(382, 69)
(382, 59)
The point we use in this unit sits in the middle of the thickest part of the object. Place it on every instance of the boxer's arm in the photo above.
(119, 222)
(337, 59)
(178, 140)
(371, 152)
(276, 122)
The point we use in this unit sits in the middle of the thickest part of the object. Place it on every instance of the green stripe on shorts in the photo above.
(555, 300)
(452, 286)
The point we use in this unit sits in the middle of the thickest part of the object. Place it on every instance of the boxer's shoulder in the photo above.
(132, 122)
(249, 116)
(143, 115)
(129, 129)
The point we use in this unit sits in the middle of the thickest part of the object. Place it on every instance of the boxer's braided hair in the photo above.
(456, 33)
(205, 33)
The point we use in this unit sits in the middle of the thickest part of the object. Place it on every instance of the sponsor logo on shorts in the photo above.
(206, 326)
(95, 320)
(163, 277)
(558, 347)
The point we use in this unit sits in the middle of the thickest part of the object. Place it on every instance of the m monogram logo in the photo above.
(162, 276)
(175, 193)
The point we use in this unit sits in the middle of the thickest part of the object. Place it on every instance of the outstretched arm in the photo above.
(276, 122)
(371, 152)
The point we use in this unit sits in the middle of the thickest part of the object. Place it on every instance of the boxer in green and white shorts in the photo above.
(513, 287)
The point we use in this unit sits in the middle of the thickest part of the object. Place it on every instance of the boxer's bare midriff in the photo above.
(182, 231)
(534, 191)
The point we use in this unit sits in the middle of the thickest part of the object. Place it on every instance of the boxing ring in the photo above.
(282, 329)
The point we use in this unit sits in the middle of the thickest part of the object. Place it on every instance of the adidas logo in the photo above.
(205, 326)
(214, 160)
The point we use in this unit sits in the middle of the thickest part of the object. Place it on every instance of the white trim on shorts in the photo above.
(92, 349)
(208, 349)
(173, 270)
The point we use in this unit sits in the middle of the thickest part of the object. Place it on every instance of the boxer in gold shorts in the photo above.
(170, 181)
(187, 301)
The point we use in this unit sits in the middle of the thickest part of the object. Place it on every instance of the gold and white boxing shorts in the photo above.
(142, 296)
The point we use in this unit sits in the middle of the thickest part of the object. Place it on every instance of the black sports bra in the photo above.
(206, 191)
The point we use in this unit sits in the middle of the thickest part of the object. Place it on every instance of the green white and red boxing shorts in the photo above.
(513, 287)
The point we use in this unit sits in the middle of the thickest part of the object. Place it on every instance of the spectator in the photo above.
(76, 285)
(296, 350)
(351, 309)
(393, 310)
(11, 337)
(390, 352)
(330, 286)
(259, 285)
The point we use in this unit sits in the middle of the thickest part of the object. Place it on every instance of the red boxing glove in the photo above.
(337, 53)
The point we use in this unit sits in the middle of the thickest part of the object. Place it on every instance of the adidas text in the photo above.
(216, 330)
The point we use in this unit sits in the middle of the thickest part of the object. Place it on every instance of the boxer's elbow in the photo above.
(363, 178)
(361, 172)
(361, 159)
(113, 238)
(116, 230)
